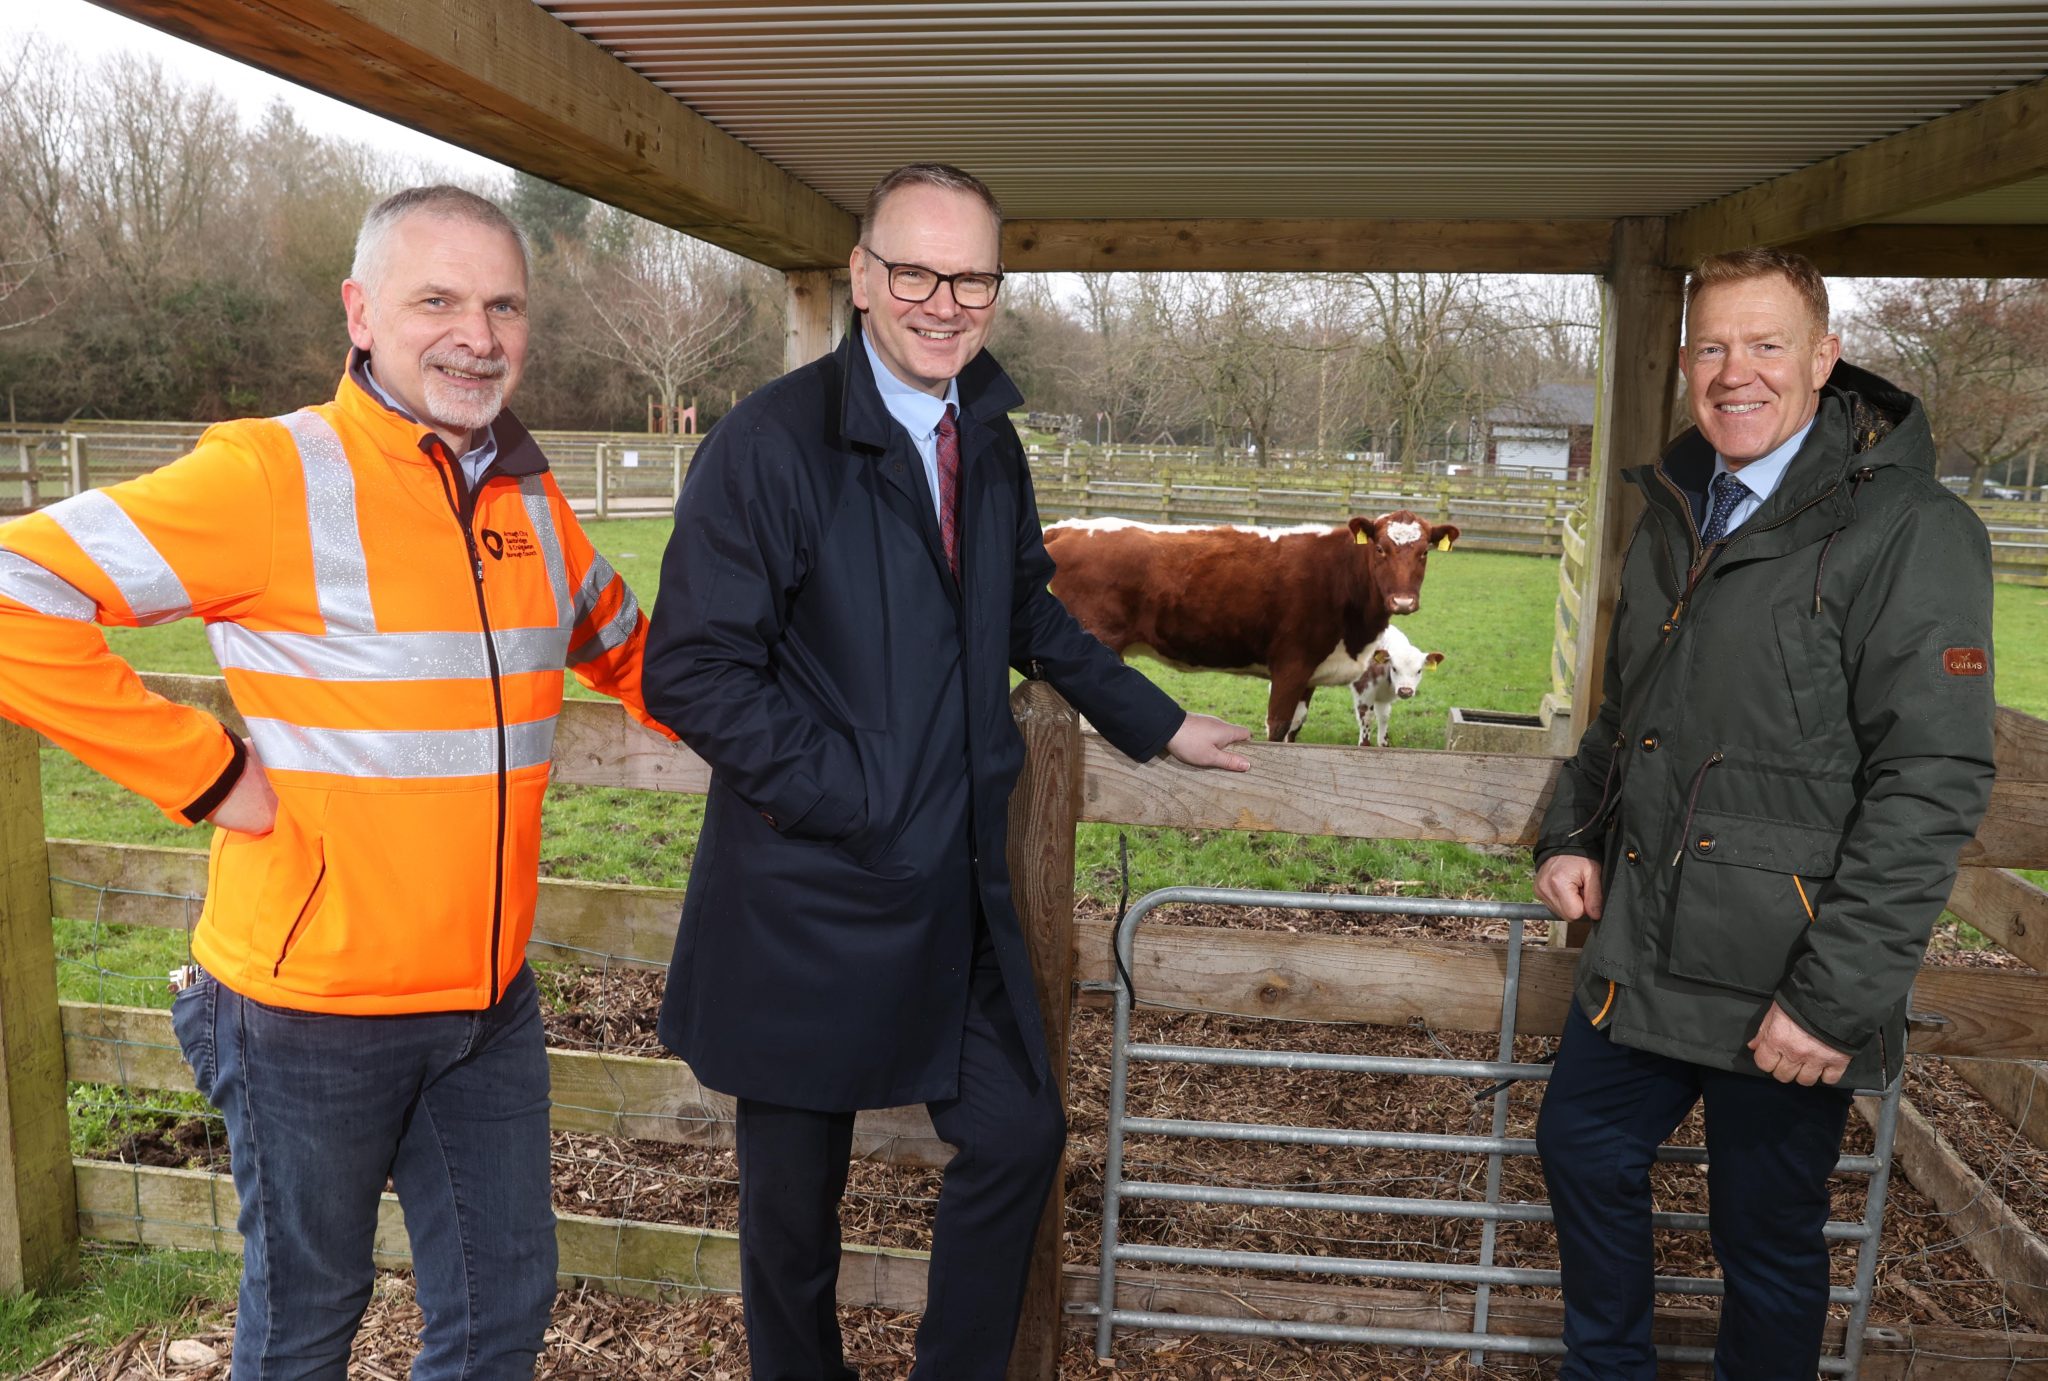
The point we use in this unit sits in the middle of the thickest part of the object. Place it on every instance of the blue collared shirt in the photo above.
(1761, 477)
(473, 461)
(917, 412)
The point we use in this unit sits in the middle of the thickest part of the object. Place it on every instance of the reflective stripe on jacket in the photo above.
(396, 649)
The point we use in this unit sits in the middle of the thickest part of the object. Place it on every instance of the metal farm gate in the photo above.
(1483, 1274)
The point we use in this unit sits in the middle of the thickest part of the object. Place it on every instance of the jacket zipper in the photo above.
(465, 514)
(1702, 555)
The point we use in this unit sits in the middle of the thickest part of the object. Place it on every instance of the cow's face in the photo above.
(1398, 546)
(1403, 667)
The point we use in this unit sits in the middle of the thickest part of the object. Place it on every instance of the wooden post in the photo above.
(600, 465)
(675, 490)
(38, 1205)
(1641, 307)
(76, 462)
(1642, 304)
(1043, 811)
(819, 302)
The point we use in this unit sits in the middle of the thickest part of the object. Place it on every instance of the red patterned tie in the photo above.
(949, 489)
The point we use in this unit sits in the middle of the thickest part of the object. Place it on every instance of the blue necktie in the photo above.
(1725, 492)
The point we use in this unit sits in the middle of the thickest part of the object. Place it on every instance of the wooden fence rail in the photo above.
(1071, 777)
(623, 474)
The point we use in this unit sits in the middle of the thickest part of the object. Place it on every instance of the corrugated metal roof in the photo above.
(1301, 108)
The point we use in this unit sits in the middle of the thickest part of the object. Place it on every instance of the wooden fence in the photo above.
(47, 1199)
(622, 474)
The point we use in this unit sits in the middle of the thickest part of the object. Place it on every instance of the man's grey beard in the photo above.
(458, 409)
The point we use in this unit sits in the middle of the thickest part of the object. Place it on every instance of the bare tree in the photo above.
(37, 119)
(156, 164)
(668, 307)
(1976, 351)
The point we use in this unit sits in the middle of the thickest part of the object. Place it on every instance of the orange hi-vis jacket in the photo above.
(395, 644)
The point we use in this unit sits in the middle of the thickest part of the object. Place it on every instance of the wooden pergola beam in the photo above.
(1930, 251)
(507, 80)
(1987, 145)
(1307, 246)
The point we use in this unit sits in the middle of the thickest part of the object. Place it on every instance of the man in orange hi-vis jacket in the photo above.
(393, 585)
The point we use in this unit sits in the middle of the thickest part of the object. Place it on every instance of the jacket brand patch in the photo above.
(1965, 661)
(518, 542)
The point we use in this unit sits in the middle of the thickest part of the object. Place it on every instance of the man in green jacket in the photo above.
(1764, 817)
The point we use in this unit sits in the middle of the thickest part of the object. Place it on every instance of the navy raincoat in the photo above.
(852, 700)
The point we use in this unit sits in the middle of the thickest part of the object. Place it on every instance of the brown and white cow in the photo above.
(1301, 607)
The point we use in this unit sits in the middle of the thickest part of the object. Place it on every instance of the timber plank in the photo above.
(589, 923)
(1986, 145)
(2005, 908)
(1992, 1233)
(1456, 985)
(1929, 251)
(2017, 1088)
(38, 1219)
(629, 1096)
(2022, 743)
(1225, 244)
(195, 1210)
(1892, 1352)
(506, 79)
(1328, 789)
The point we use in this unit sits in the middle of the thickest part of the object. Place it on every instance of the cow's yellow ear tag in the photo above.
(1443, 544)
(1363, 536)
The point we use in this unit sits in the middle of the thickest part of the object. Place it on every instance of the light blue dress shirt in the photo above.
(473, 461)
(918, 413)
(1760, 477)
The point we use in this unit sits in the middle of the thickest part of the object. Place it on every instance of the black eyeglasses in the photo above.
(916, 283)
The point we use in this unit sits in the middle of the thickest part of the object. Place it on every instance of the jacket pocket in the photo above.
(1797, 631)
(1747, 890)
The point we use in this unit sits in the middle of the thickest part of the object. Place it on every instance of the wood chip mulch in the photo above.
(1925, 1275)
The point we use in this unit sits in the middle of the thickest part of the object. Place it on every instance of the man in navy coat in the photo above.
(856, 566)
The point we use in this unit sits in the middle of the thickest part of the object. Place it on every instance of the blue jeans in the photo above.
(452, 1107)
(1770, 1149)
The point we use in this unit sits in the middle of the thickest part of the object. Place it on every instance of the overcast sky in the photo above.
(90, 32)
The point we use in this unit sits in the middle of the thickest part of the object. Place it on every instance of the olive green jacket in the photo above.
(1794, 744)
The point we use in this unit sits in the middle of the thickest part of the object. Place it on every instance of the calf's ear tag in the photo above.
(1363, 537)
(1443, 544)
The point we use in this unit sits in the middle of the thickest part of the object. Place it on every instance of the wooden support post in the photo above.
(819, 302)
(1043, 810)
(1641, 307)
(600, 464)
(77, 463)
(1641, 304)
(38, 1205)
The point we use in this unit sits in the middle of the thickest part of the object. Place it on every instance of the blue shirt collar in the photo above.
(1762, 477)
(479, 451)
(917, 411)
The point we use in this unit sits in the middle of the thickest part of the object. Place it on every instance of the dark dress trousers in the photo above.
(852, 699)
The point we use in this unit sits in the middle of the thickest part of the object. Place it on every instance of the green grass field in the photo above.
(1489, 613)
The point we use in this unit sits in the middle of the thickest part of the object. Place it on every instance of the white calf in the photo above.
(1394, 668)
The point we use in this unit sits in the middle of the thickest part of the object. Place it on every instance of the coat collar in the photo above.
(986, 392)
(399, 436)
